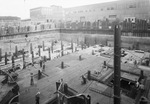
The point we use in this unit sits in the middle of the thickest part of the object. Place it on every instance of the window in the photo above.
(80, 11)
(112, 16)
(132, 6)
(112, 8)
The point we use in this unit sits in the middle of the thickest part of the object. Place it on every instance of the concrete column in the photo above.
(43, 45)
(80, 58)
(62, 49)
(82, 46)
(5, 58)
(16, 51)
(95, 40)
(62, 64)
(23, 56)
(39, 51)
(31, 48)
(32, 57)
(89, 75)
(49, 53)
(72, 45)
(0, 54)
(52, 46)
(13, 61)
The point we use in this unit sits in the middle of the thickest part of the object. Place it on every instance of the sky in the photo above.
(21, 8)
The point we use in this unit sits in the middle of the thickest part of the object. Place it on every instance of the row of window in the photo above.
(109, 8)
(127, 6)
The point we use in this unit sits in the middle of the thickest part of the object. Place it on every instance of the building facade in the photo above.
(120, 9)
(116, 10)
(6, 21)
(47, 14)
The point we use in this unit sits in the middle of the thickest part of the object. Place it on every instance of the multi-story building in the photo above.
(121, 9)
(26, 22)
(47, 14)
(9, 21)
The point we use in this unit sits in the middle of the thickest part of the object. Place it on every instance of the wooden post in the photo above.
(5, 58)
(117, 66)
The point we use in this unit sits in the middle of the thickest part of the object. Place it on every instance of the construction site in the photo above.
(89, 54)
(70, 71)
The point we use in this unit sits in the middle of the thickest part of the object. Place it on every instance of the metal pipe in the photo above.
(117, 55)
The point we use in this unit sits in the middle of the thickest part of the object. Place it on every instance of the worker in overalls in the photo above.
(37, 98)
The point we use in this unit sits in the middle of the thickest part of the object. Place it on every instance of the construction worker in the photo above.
(84, 80)
(104, 65)
(135, 63)
(43, 66)
(37, 98)
(32, 82)
(40, 63)
(137, 84)
(39, 74)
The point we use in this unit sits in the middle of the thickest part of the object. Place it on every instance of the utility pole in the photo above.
(117, 55)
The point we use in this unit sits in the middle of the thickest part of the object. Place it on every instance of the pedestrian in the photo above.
(32, 81)
(37, 98)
